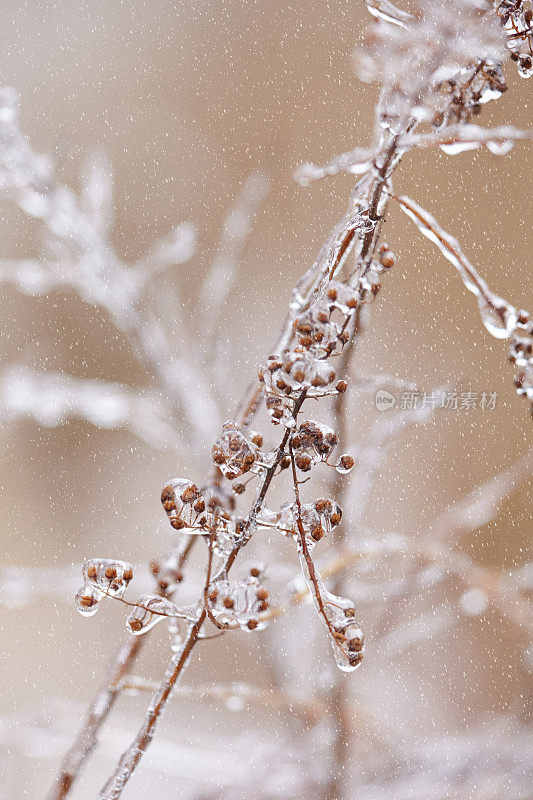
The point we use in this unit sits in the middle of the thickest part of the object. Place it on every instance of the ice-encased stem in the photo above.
(131, 757)
(497, 315)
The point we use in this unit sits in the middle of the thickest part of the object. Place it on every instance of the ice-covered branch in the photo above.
(499, 317)
(79, 257)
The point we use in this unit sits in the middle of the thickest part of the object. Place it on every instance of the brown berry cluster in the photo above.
(102, 577)
(207, 511)
(239, 604)
(184, 504)
(311, 443)
(317, 519)
(468, 91)
(235, 454)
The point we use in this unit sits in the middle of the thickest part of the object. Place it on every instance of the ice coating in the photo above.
(339, 613)
(521, 354)
(498, 316)
(151, 609)
(102, 577)
(345, 464)
(233, 453)
(183, 504)
(239, 604)
(296, 370)
(516, 19)
(464, 93)
(318, 519)
(311, 443)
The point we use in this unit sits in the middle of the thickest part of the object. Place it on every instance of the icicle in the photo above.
(500, 148)
(387, 11)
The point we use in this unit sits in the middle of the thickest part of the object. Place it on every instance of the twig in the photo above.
(131, 757)
(101, 705)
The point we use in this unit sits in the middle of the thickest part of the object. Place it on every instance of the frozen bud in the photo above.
(274, 363)
(369, 286)
(183, 504)
(315, 329)
(303, 462)
(256, 438)
(102, 577)
(345, 464)
(233, 453)
(218, 500)
(307, 372)
(87, 600)
(341, 386)
(312, 442)
(151, 609)
(317, 519)
(330, 512)
(523, 318)
(239, 488)
(386, 257)
(108, 575)
(342, 297)
(279, 409)
(239, 605)
(298, 369)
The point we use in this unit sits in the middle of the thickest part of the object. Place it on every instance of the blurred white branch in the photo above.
(51, 398)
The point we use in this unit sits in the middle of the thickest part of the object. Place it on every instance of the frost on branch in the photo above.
(51, 398)
(438, 68)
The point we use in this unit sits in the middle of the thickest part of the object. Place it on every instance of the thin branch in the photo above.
(502, 321)
(131, 757)
(102, 703)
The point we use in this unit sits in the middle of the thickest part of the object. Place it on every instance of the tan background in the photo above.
(188, 99)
